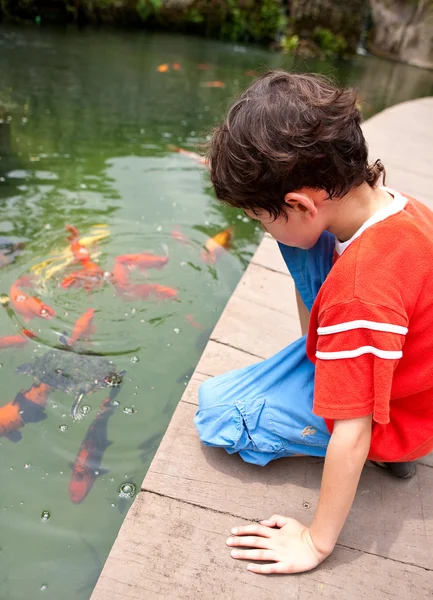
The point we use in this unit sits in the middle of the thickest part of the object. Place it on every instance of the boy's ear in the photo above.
(301, 202)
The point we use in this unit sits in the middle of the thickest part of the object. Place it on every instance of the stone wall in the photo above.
(403, 29)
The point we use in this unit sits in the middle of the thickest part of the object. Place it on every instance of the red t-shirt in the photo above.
(371, 331)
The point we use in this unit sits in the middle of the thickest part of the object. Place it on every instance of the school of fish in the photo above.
(79, 270)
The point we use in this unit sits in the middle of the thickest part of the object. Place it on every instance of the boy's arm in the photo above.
(304, 315)
(294, 548)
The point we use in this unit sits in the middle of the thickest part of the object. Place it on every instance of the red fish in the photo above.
(201, 160)
(27, 407)
(16, 341)
(86, 467)
(143, 261)
(83, 326)
(120, 277)
(28, 306)
(190, 319)
(180, 237)
(216, 245)
(213, 84)
(251, 73)
(87, 279)
(146, 290)
(73, 232)
(175, 66)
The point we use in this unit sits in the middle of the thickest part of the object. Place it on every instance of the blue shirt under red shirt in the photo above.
(371, 331)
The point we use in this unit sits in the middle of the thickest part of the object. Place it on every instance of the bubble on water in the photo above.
(127, 490)
(128, 410)
(44, 586)
(1, 364)
(63, 427)
(142, 320)
(2, 179)
(85, 409)
(183, 264)
(239, 217)
(11, 468)
(47, 226)
(113, 505)
(133, 311)
(111, 479)
(142, 131)
(27, 466)
(96, 472)
(159, 228)
(168, 345)
(24, 120)
(176, 330)
(134, 359)
(45, 515)
(83, 186)
(115, 403)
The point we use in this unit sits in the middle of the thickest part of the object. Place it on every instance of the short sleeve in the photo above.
(359, 345)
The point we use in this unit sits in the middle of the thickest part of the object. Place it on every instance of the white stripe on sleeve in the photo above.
(361, 324)
(388, 354)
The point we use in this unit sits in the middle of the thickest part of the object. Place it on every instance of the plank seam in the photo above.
(256, 264)
(222, 512)
(235, 348)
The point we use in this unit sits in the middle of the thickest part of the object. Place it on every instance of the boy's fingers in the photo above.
(249, 541)
(276, 567)
(253, 554)
(254, 529)
(275, 521)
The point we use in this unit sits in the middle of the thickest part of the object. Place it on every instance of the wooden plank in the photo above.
(268, 255)
(219, 358)
(180, 553)
(268, 288)
(389, 517)
(256, 329)
(190, 395)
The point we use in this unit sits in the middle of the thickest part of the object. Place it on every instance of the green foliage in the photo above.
(289, 43)
(329, 43)
(147, 8)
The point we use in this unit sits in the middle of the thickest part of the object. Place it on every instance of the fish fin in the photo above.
(32, 413)
(14, 436)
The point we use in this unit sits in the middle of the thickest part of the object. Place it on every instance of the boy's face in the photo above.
(295, 228)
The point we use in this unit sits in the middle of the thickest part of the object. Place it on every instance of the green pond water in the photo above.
(86, 124)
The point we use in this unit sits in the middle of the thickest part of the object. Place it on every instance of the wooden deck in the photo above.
(172, 542)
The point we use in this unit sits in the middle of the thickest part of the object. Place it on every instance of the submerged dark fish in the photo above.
(86, 467)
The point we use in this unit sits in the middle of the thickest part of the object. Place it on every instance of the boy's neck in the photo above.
(355, 208)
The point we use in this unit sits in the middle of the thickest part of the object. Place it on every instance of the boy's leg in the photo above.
(264, 412)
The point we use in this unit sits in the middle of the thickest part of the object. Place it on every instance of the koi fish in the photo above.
(163, 68)
(28, 306)
(73, 232)
(175, 66)
(190, 319)
(83, 326)
(16, 341)
(86, 467)
(27, 407)
(180, 237)
(213, 84)
(216, 245)
(201, 160)
(251, 73)
(203, 67)
(143, 261)
(146, 290)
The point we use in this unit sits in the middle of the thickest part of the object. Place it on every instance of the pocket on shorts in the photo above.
(259, 427)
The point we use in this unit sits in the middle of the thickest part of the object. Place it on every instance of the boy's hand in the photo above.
(290, 547)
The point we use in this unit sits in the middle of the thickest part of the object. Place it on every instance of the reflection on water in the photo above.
(87, 125)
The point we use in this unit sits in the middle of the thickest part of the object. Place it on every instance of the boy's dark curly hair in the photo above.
(285, 132)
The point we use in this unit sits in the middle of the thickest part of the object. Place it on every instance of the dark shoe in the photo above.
(402, 470)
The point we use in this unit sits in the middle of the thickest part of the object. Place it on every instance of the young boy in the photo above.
(291, 153)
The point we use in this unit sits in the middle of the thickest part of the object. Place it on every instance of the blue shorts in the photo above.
(265, 411)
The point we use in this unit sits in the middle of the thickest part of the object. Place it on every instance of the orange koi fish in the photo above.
(73, 232)
(213, 84)
(180, 237)
(251, 73)
(216, 245)
(27, 407)
(88, 279)
(120, 276)
(175, 66)
(190, 319)
(163, 68)
(201, 160)
(86, 467)
(143, 261)
(83, 326)
(146, 290)
(28, 306)
(16, 341)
